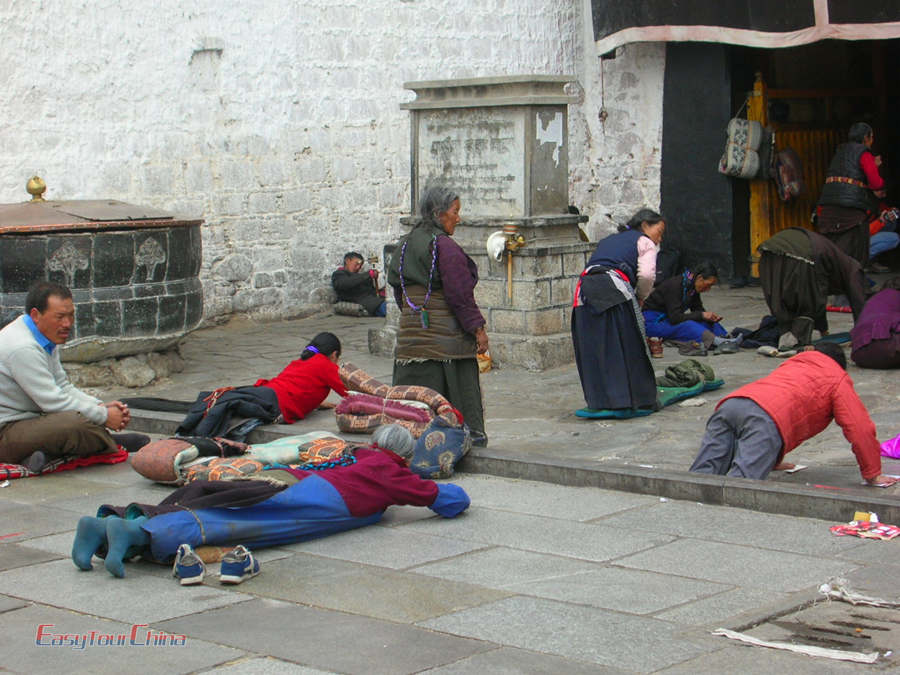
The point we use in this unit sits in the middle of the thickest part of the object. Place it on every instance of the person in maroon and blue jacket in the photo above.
(286, 506)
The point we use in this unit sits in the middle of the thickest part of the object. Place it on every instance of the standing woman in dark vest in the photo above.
(607, 326)
(847, 203)
(441, 327)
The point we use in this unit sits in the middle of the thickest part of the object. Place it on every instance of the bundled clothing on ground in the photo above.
(754, 427)
(876, 336)
(799, 269)
(357, 287)
(293, 506)
(608, 328)
(40, 409)
(674, 311)
(436, 346)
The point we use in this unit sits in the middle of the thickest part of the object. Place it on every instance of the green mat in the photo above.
(670, 395)
(666, 396)
(623, 414)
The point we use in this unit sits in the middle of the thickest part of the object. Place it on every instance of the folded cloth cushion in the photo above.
(224, 468)
(357, 414)
(285, 450)
(324, 450)
(163, 461)
(349, 309)
(439, 448)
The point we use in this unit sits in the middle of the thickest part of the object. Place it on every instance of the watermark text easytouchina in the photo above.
(140, 635)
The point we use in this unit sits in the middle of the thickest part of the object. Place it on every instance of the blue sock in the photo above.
(126, 540)
(89, 538)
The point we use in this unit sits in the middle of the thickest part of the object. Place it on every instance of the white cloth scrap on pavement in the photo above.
(836, 654)
(838, 589)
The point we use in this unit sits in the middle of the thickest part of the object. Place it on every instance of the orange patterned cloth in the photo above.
(225, 468)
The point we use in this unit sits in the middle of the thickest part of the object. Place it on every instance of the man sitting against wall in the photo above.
(358, 287)
(42, 415)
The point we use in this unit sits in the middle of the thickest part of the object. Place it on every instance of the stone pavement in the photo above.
(533, 578)
(536, 577)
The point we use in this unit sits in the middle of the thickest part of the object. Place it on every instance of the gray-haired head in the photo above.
(858, 132)
(395, 438)
(434, 201)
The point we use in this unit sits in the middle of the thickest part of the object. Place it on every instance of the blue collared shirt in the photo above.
(46, 344)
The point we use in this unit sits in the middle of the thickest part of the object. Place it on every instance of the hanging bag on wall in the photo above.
(788, 174)
(741, 156)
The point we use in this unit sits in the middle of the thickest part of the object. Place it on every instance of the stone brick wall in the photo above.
(278, 121)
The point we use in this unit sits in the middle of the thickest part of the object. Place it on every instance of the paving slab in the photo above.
(20, 522)
(747, 567)
(61, 584)
(879, 581)
(749, 659)
(585, 633)
(7, 603)
(21, 654)
(87, 504)
(15, 555)
(623, 590)
(366, 590)
(325, 639)
(535, 533)
(503, 568)
(510, 661)
(732, 525)
(552, 501)
(54, 487)
(266, 665)
(386, 547)
(717, 609)
(869, 551)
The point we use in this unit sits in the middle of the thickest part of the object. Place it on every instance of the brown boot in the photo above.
(656, 347)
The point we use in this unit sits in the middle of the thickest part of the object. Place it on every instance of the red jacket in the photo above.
(303, 385)
(804, 394)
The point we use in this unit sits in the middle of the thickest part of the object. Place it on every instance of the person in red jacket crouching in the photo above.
(753, 428)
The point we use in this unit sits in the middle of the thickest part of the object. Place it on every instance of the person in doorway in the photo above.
(850, 195)
(353, 285)
(441, 328)
(607, 326)
(43, 416)
(798, 270)
(754, 427)
(285, 506)
(674, 311)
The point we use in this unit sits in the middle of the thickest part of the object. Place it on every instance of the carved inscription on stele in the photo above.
(478, 152)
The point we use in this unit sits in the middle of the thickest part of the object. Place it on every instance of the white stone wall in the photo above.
(278, 121)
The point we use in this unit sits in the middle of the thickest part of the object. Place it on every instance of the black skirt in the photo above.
(611, 355)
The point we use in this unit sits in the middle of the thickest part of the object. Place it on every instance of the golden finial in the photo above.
(36, 188)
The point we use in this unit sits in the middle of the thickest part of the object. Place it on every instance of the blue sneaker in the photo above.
(188, 567)
(237, 565)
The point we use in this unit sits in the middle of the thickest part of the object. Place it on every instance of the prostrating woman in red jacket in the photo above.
(306, 382)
